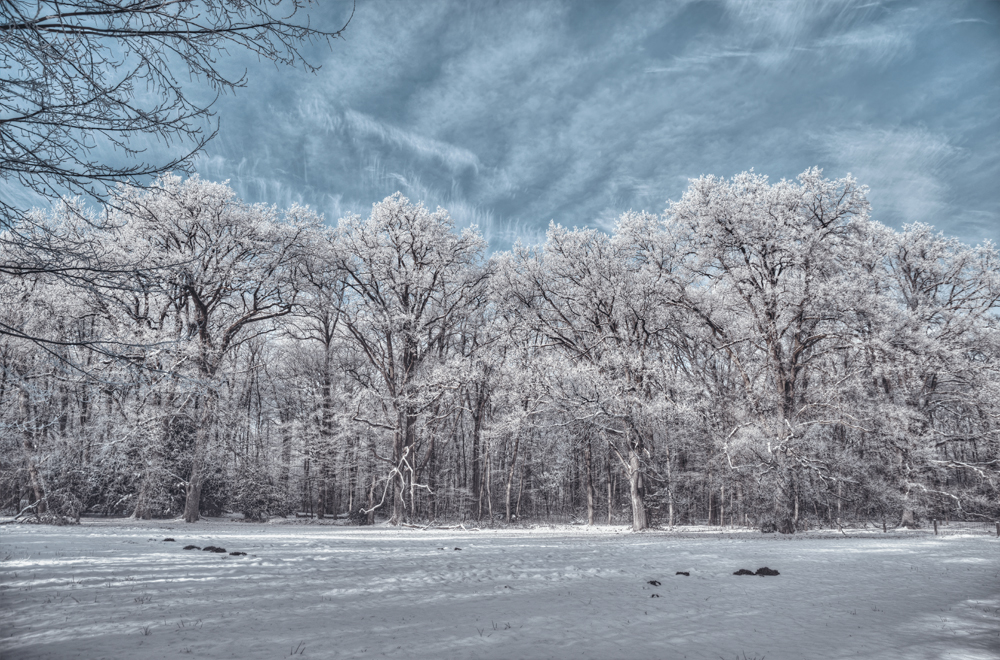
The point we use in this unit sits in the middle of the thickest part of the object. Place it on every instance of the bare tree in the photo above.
(81, 76)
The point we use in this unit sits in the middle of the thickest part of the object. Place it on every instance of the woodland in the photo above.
(758, 354)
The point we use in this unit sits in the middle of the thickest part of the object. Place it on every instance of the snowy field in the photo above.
(115, 589)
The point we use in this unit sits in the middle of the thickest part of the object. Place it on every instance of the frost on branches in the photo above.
(758, 354)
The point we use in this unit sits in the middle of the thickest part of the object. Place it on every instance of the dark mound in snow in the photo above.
(767, 571)
(212, 548)
(655, 583)
(654, 595)
(191, 547)
(458, 548)
(238, 554)
(165, 540)
(744, 571)
(683, 573)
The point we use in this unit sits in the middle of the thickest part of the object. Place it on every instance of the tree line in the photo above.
(758, 354)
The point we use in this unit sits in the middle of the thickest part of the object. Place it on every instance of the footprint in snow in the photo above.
(683, 573)
(168, 539)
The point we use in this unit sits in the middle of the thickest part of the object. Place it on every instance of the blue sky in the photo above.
(514, 114)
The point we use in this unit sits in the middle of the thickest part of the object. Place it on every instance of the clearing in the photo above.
(115, 589)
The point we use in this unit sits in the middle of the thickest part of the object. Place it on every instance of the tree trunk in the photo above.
(284, 419)
(431, 462)
(670, 490)
(324, 488)
(520, 491)
(371, 502)
(722, 505)
(590, 483)
(36, 487)
(141, 510)
(787, 512)
(610, 494)
(398, 506)
(510, 475)
(477, 426)
(711, 494)
(636, 486)
(411, 470)
(402, 460)
(840, 486)
(326, 434)
(352, 472)
(192, 500)
(306, 501)
(27, 445)
(489, 476)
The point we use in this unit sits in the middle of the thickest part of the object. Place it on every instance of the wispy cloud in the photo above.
(366, 126)
(514, 114)
(906, 169)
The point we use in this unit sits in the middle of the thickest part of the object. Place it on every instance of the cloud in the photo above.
(456, 158)
(906, 169)
(514, 114)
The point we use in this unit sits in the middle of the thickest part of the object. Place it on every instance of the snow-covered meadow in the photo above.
(116, 590)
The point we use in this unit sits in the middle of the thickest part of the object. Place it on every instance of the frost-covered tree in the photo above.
(771, 272)
(409, 279)
(933, 376)
(221, 270)
(589, 298)
(760, 353)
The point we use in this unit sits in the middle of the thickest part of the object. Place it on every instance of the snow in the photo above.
(115, 589)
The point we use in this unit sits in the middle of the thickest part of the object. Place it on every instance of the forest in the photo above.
(759, 354)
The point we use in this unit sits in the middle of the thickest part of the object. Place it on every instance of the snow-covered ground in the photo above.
(115, 589)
